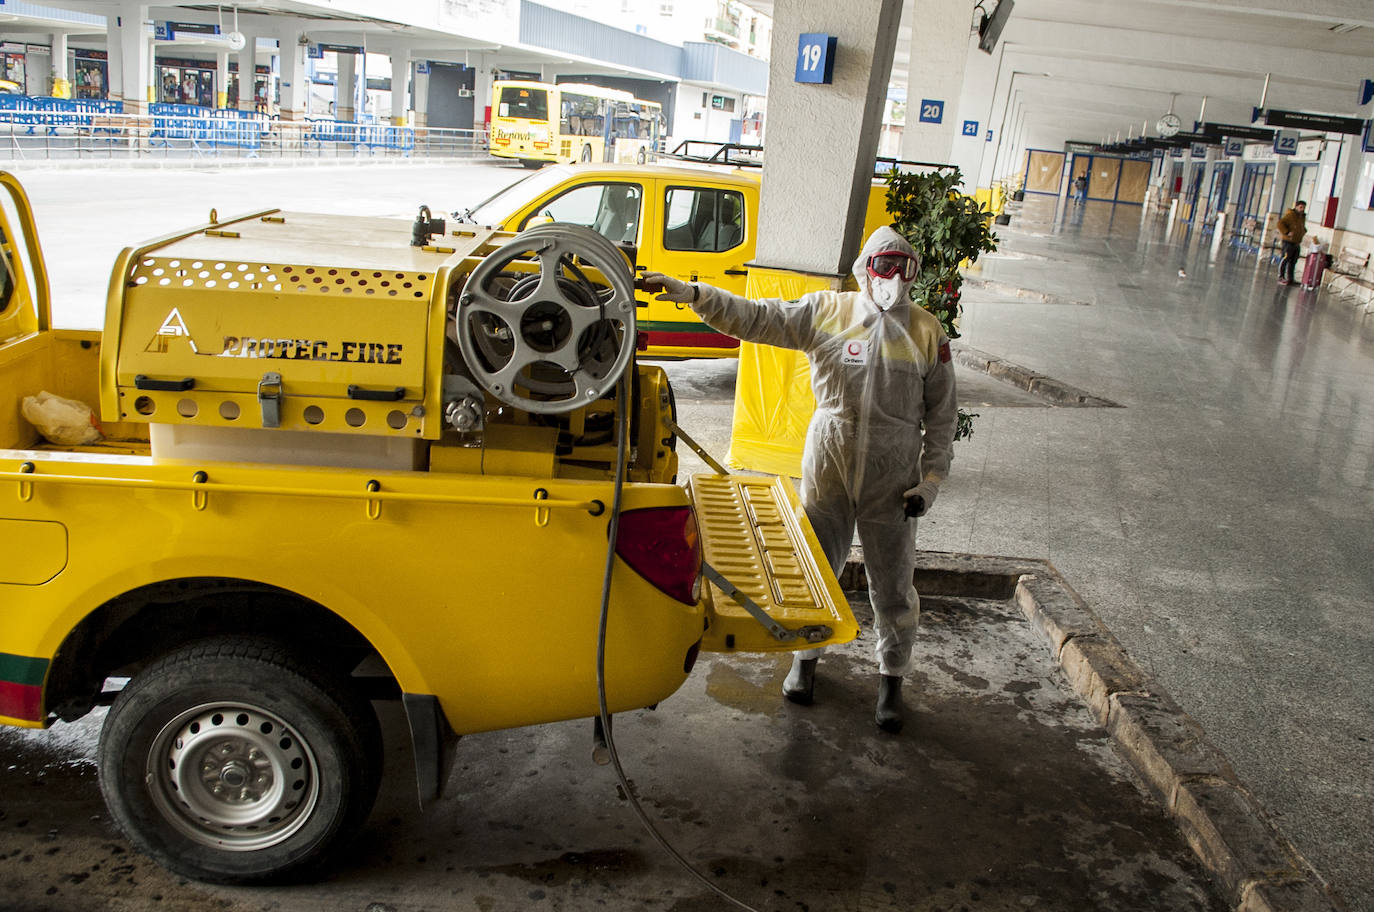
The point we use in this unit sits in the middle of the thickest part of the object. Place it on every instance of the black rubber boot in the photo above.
(889, 714)
(800, 684)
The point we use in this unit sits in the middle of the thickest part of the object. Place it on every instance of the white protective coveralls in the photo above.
(880, 368)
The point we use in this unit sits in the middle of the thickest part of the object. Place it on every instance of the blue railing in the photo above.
(370, 135)
(208, 126)
(52, 113)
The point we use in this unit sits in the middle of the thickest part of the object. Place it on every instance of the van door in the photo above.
(706, 233)
(25, 305)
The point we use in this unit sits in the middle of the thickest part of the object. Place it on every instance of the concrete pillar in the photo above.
(129, 57)
(222, 79)
(295, 84)
(939, 50)
(481, 89)
(248, 72)
(400, 86)
(420, 99)
(61, 81)
(822, 139)
(980, 80)
(345, 88)
(154, 74)
(1348, 177)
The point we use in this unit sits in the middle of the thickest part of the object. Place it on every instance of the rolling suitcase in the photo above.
(1316, 265)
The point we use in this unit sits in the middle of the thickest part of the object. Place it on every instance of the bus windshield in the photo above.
(525, 102)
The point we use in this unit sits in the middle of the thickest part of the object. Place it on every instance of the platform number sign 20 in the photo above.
(815, 57)
(932, 111)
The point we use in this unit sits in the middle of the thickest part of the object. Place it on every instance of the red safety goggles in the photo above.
(887, 265)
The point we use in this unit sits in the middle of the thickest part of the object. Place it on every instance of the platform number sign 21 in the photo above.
(816, 57)
(932, 111)
(970, 128)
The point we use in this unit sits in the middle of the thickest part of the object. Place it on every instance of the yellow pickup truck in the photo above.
(348, 459)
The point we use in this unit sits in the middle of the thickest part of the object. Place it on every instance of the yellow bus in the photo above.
(538, 122)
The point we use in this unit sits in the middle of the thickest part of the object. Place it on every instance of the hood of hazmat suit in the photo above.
(884, 420)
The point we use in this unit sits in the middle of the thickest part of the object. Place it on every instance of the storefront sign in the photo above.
(1324, 123)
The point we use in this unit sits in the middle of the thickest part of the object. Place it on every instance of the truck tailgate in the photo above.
(755, 534)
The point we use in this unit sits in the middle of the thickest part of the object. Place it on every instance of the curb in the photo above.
(1033, 382)
(1256, 866)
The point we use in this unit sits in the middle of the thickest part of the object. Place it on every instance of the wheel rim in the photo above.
(232, 776)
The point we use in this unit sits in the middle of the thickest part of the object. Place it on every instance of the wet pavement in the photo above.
(1003, 793)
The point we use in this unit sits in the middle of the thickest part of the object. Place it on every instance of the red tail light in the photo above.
(661, 544)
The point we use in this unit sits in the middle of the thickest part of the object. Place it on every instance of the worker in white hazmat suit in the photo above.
(880, 441)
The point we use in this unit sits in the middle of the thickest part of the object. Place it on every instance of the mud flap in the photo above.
(756, 538)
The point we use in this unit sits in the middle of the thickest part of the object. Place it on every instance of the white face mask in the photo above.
(885, 292)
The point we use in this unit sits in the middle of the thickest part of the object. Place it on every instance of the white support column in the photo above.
(939, 51)
(481, 89)
(420, 99)
(61, 86)
(295, 84)
(222, 79)
(345, 88)
(822, 139)
(132, 85)
(248, 72)
(969, 152)
(400, 86)
(154, 73)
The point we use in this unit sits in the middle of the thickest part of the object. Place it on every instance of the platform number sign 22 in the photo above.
(932, 111)
(1286, 142)
(815, 57)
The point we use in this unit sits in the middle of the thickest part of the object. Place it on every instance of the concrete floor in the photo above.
(1219, 522)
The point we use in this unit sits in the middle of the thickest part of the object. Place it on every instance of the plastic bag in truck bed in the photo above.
(65, 422)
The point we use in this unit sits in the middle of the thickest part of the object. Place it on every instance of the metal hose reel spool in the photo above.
(561, 332)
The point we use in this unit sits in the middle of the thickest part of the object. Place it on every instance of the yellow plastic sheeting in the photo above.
(773, 399)
(1043, 171)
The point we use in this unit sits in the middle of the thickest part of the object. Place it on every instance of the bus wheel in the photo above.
(586, 153)
(533, 164)
(641, 157)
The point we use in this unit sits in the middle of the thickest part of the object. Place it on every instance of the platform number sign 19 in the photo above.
(1286, 142)
(932, 111)
(816, 57)
(970, 128)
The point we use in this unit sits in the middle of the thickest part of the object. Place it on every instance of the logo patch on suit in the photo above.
(944, 353)
(855, 352)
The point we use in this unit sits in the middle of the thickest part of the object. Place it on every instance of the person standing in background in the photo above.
(1292, 229)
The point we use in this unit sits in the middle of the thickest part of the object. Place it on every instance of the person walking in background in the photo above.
(1080, 189)
(880, 441)
(1292, 229)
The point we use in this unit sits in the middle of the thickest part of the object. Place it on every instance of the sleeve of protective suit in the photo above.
(941, 417)
(769, 321)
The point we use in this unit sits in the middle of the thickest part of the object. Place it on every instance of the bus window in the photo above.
(582, 115)
(517, 101)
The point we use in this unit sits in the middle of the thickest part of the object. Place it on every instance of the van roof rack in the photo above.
(739, 155)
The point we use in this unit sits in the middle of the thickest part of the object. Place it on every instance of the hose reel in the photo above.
(547, 322)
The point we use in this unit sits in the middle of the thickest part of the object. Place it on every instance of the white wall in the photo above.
(693, 121)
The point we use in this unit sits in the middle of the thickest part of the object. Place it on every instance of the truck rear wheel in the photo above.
(233, 761)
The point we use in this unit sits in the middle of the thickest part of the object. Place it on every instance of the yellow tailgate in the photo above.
(755, 535)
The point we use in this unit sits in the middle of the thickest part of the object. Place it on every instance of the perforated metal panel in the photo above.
(755, 534)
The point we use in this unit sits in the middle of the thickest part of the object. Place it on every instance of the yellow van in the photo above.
(695, 223)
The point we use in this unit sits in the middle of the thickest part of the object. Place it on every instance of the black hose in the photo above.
(622, 398)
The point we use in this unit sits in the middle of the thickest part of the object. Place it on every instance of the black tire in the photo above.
(641, 158)
(586, 153)
(533, 164)
(233, 761)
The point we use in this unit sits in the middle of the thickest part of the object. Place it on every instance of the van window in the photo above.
(6, 273)
(613, 210)
(702, 219)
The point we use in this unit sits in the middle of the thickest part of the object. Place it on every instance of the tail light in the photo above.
(661, 544)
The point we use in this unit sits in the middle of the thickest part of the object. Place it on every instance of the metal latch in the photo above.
(270, 395)
(811, 633)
